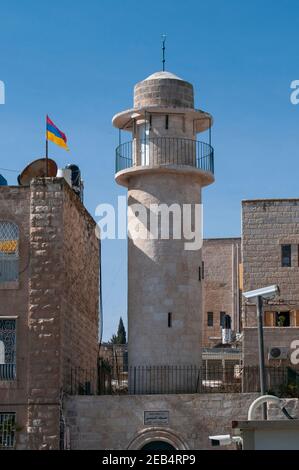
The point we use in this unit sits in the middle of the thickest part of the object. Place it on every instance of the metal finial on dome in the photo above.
(163, 51)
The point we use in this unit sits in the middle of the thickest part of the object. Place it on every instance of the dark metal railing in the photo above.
(109, 379)
(159, 151)
(7, 430)
(7, 371)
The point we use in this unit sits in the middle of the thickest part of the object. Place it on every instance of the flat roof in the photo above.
(271, 425)
(286, 199)
(216, 239)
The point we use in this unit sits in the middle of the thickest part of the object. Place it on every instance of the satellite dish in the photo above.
(37, 169)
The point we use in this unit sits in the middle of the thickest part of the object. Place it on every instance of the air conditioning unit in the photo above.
(278, 353)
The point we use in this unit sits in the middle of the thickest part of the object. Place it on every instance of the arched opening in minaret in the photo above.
(143, 138)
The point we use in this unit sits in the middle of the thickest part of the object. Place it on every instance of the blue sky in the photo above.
(78, 62)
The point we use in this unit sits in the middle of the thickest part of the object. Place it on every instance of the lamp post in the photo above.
(260, 323)
(258, 295)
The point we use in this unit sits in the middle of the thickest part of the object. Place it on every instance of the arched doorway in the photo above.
(157, 438)
(158, 445)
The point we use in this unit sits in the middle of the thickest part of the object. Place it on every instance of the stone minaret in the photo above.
(164, 164)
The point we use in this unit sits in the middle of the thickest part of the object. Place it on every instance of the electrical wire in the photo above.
(8, 169)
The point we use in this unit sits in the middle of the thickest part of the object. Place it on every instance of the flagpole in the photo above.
(47, 150)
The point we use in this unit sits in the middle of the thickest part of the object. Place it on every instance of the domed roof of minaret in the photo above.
(163, 89)
(162, 74)
(163, 92)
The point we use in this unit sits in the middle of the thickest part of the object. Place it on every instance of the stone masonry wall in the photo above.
(273, 337)
(44, 316)
(117, 422)
(266, 225)
(15, 207)
(63, 312)
(80, 300)
(163, 92)
(55, 302)
(220, 285)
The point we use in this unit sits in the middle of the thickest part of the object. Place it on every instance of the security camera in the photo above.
(225, 440)
(265, 292)
(221, 440)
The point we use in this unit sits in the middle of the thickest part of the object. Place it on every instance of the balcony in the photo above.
(7, 372)
(114, 377)
(163, 152)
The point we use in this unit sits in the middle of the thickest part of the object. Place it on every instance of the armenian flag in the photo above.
(55, 135)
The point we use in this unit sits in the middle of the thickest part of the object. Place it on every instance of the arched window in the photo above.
(9, 252)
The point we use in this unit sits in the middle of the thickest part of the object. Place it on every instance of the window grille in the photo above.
(286, 256)
(7, 349)
(7, 430)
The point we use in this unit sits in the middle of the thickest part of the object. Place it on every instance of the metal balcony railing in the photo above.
(119, 378)
(162, 151)
(7, 430)
(7, 371)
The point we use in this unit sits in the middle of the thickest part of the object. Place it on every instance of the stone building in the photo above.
(270, 251)
(49, 291)
(221, 287)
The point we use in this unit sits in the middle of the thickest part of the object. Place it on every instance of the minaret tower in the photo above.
(163, 163)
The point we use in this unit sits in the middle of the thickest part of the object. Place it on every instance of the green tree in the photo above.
(121, 336)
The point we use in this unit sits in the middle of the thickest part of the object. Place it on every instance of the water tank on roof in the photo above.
(3, 181)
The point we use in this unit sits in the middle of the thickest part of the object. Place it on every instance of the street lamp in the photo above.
(258, 295)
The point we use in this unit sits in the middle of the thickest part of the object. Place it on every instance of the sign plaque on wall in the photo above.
(156, 417)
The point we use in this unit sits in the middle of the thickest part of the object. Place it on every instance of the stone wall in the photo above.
(163, 92)
(14, 298)
(44, 316)
(273, 337)
(117, 422)
(80, 301)
(55, 301)
(266, 225)
(221, 259)
(163, 280)
(291, 405)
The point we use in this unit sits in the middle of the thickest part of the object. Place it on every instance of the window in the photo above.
(9, 252)
(282, 319)
(222, 315)
(210, 319)
(166, 121)
(286, 253)
(7, 349)
(7, 430)
(199, 273)
(269, 318)
(169, 320)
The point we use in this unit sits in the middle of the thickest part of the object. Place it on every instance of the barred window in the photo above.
(286, 256)
(7, 349)
(7, 430)
(9, 252)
